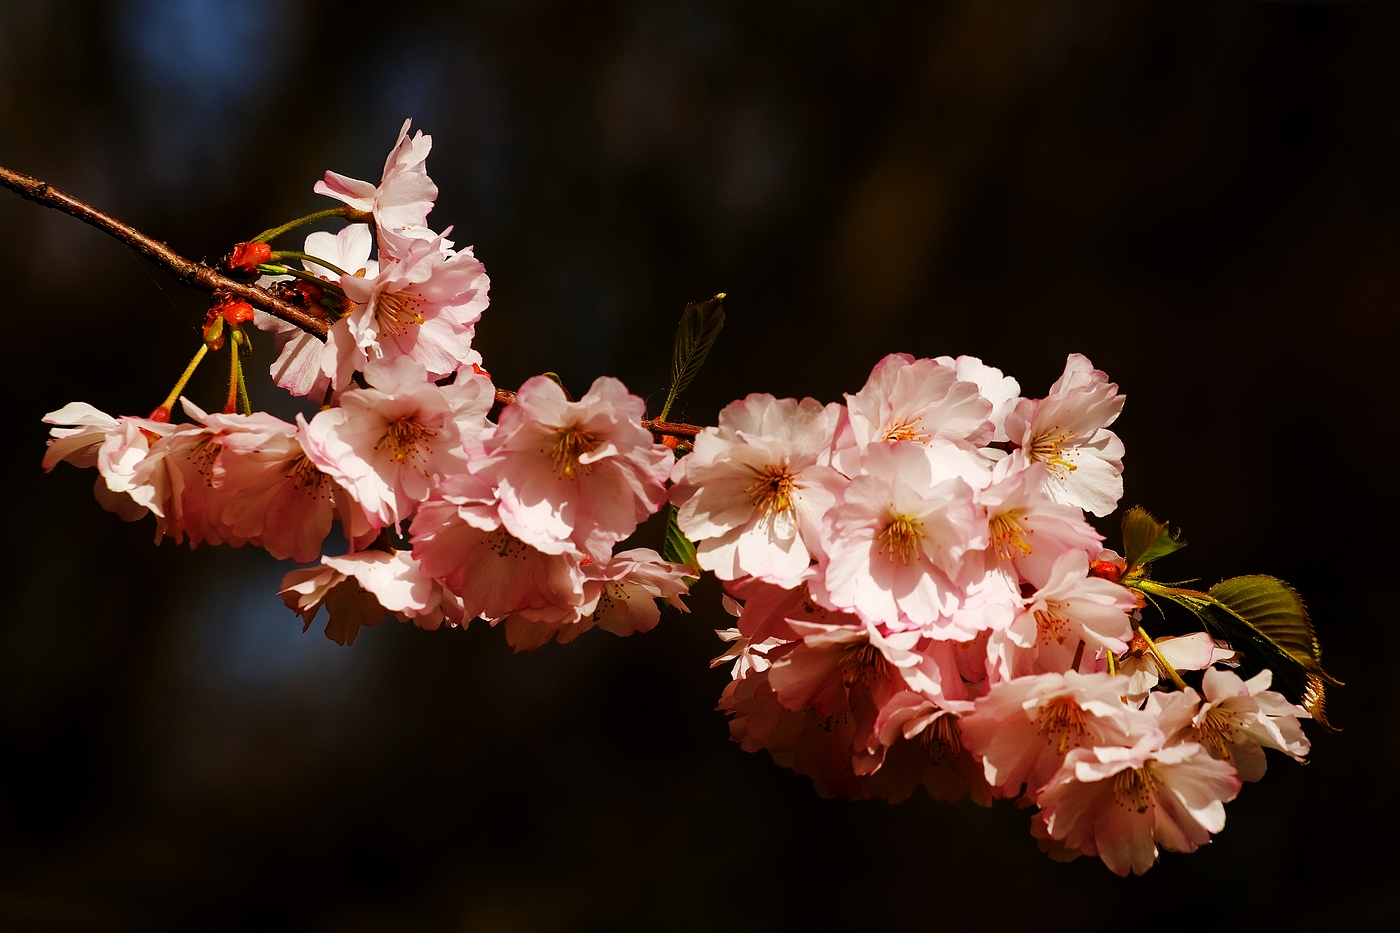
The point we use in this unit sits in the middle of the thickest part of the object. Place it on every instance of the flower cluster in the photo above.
(511, 521)
(920, 599)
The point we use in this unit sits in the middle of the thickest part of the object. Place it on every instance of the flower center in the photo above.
(1051, 623)
(906, 429)
(774, 490)
(901, 537)
(570, 444)
(202, 458)
(406, 440)
(396, 312)
(944, 738)
(306, 475)
(1217, 731)
(612, 595)
(862, 664)
(1050, 448)
(506, 545)
(1135, 788)
(1061, 721)
(1008, 537)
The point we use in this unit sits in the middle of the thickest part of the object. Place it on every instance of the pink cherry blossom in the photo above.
(1119, 802)
(749, 655)
(359, 590)
(753, 491)
(1068, 432)
(388, 444)
(423, 306)
(815, 704)
(575, 475)
(766, 609)
(1003, 391)
(349, 605)
(630, 583)
(305, 363)
(183, 462)
(459, 539)
(275, 496)
(1028, 531)
(895, 541)
(922, 744)
(816, 744)
(1241, 718)
(619, 596)
(1023, 728)
(1071, 610)
(1194, 652)
(918, 401)
(401, 587)
(405, 194)
(117, 447)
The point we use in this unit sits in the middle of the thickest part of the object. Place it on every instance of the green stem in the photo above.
(235, 373)
(670, 400)
(241, 343)
(270, 269)
(1165, 664)
(282, 254)
(346, 211)
(184, 379)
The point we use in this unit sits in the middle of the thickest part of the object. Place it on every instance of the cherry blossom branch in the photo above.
(200, 276)
(194, 274)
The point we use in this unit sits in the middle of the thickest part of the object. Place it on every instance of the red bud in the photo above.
(1105, 570)
(246, 257)
(161, 414)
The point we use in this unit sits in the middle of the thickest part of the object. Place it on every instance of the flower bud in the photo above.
(246, 257)
(225, 310)
(1105, 570)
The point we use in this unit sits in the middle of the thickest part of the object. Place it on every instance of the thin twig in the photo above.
(198, 275)
(192, 273)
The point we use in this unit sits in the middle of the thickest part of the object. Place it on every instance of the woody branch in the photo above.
(198, 275)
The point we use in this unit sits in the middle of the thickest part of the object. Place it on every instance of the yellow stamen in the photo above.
(901, 538)
(396, 311)
(944, 738)
(1008, 537)
(506, 545)
(862, 664)
(306, 475)
(906, 430)
(1051, 623)
(202, 458)
(406, 440)
(1049, 448)
(1217, 731)
(571, 443)
(612, 595)
(774, 490)
(1061, 721)
(1135, 788)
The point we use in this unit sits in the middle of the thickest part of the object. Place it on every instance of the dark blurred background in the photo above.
(1202, 197)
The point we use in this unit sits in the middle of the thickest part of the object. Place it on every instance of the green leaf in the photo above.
(1265, 618)
(696, 333)
(677, 548)
(1145, 539)
(1268, 614)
